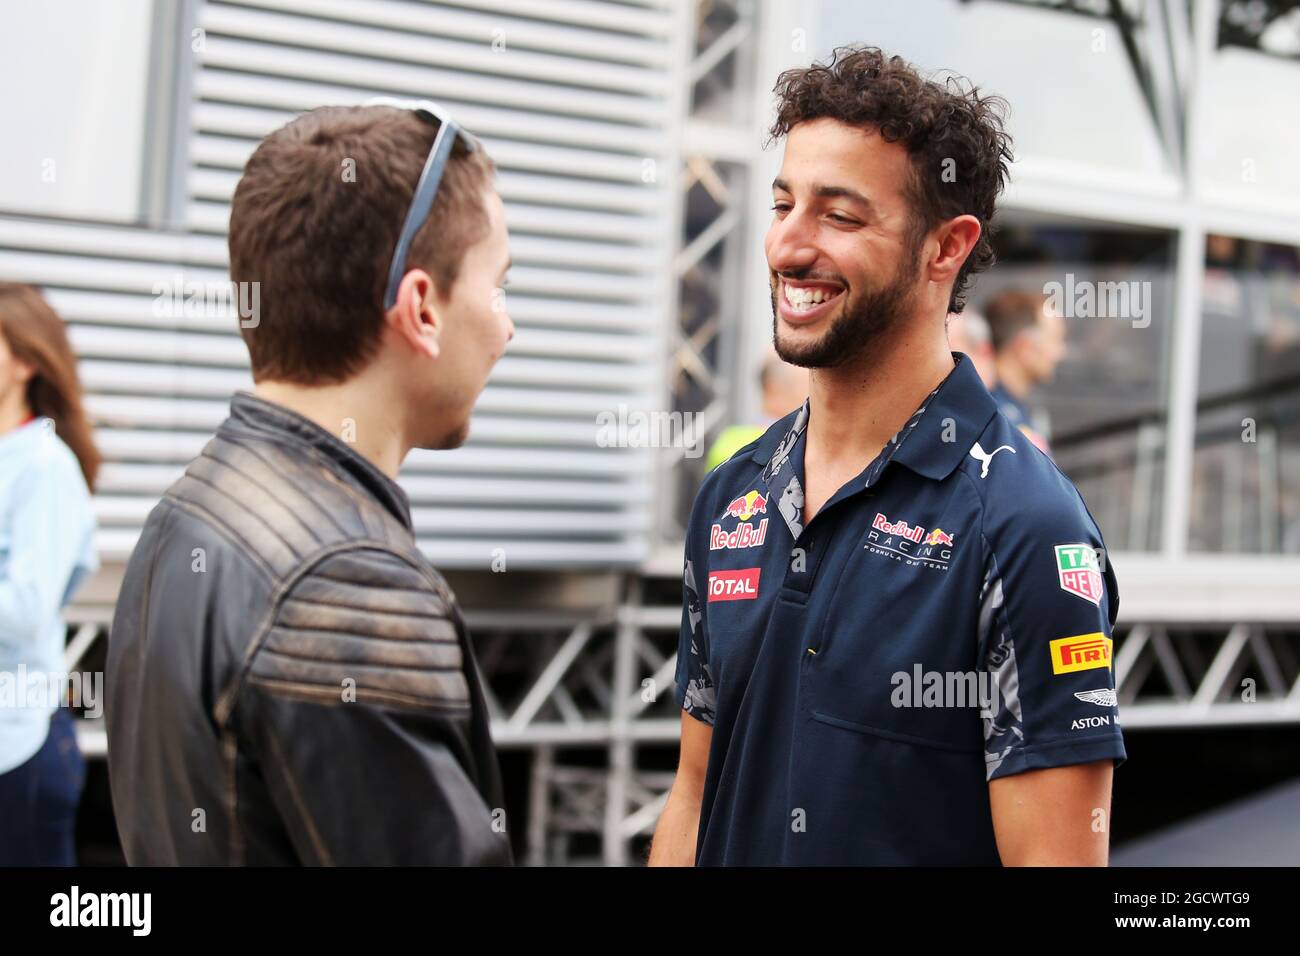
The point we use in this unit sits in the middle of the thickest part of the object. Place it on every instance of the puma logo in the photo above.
(986, 457)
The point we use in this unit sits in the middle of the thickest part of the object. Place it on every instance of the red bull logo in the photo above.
(899, 528)
(911, 544)
(747, 505)
(744, 535)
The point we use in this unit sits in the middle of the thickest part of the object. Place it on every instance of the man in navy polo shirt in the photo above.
(1029, 339)
(896, 635)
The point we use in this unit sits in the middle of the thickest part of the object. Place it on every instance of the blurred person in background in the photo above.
(48, 462)
(284, 657)
(783, 388)
(1029, 342)
(968, 332)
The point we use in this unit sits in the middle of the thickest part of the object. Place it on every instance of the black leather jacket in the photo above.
(289, 680)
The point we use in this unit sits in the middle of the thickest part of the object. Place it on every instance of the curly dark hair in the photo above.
(955, 136)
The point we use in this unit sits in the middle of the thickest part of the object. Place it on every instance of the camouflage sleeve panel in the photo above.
(695, 691)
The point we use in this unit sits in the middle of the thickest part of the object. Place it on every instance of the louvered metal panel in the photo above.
(574, 100)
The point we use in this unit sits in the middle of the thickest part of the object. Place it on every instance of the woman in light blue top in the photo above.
(47, 467)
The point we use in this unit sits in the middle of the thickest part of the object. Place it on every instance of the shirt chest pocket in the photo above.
(897, 657)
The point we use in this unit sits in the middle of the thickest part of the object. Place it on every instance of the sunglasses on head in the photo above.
(427, 188)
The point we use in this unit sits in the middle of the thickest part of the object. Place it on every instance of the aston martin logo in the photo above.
(1102, 696)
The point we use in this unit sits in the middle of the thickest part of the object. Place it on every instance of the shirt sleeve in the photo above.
(695, 691)
(1047, 606)
(50, 524)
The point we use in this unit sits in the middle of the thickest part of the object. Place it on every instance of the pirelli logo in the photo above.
(1083, 652)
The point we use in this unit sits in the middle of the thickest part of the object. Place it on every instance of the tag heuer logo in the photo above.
(1079, 571)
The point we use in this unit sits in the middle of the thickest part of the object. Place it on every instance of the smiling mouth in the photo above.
(805, 300)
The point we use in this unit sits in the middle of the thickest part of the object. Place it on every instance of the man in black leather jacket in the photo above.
(289, 679)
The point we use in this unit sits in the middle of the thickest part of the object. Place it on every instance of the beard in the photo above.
(865, 320)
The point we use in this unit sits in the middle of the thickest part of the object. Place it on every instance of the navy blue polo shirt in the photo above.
(944, 620)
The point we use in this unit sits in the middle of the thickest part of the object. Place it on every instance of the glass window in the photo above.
(1251, 134)
(1102, 409)
(1076, 96)
(75, 76)
(1246, 474)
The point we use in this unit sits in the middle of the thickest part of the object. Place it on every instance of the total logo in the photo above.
(746, 506)
(909, 543)
(745, 535)
(739, 585)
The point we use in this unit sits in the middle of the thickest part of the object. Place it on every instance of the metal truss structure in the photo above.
(586, 694)
(717, 135)
(1170, 676)
(586, 698)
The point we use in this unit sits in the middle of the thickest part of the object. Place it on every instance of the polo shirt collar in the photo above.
(961, 397)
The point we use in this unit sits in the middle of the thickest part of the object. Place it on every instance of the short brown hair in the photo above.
(947, 126)
(1011, 312)
(315, 220)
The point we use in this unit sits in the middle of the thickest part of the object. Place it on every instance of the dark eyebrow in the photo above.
(831, 192)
